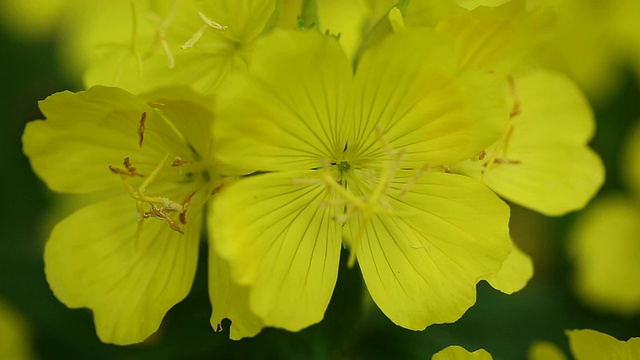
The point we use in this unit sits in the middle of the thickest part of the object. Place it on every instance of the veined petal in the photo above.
(499, 38)
(230, 300)
(456, 352)
(93, 260)
(606, 252)
(409, 89)
(421, 263)
(593, 345)
(280, 237)
(515, 273)
(86, 132)
(289, 112)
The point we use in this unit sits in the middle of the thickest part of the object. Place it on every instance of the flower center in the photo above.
(148, 206)
(188, 173)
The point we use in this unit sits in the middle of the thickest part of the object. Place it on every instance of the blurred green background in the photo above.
(353, 327)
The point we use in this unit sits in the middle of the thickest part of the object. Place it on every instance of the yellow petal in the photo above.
(429, 13)
(606, 252)
(544, 350)
(410, 89)
(515, 273)
(347, 18)
(499, 38)
(592, 345)
(86, 132)
(93, 260)
(421, 263)
(230, 300)
(289, 112)
(544, 163)
(33, 19)
(456, 352)
(279, 235)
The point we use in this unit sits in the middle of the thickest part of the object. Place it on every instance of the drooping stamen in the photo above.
(208, 23)
(161, 32)
(160, 207)
(500, 153)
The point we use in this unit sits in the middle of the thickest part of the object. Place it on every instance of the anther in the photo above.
(179, 162)
(143, 118)
(185, 207)
(131, 171)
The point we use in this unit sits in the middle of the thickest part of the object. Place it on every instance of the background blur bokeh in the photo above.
(30, 70)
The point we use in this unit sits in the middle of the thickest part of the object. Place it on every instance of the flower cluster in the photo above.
(298, 132)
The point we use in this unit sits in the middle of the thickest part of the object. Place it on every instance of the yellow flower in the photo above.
(589, 345)
(605, 244)
(354, 159)
(459, 353)
(169, 42)
(594, 41)
(132, 256)
(14, 334)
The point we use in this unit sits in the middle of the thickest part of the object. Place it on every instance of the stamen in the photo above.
(160, 207)
(143, 118)
(179, 162)
(212, 23)
(208, 23)
(502, 147)
(161, 33)
(130, 172)
(195, 38)
(185, 207)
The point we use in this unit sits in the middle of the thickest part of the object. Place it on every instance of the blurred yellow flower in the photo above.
(588, 345)
(594, 41)
(459, 353)
(355, 159)
(132, 256)
(605, 244)
(169, 42)
(14, 334)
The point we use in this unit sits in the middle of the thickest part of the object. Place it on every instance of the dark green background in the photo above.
(503, 325)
